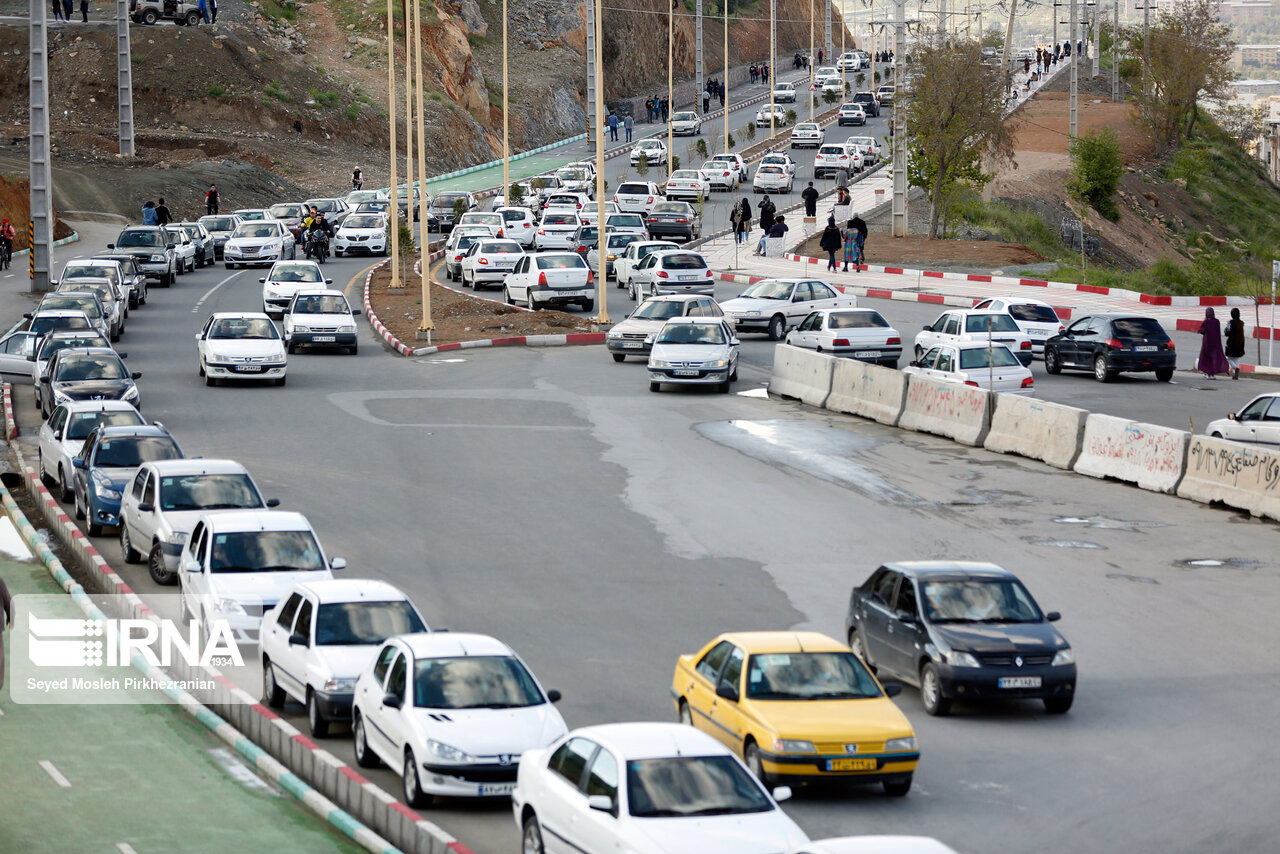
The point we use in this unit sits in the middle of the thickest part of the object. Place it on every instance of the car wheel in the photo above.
(272, 693)
(95, 530)
(1215, 435)
(365, 757)
(281, 380)
(751, 755)
(291, 348)
(685, 714)
(79, 512)
(353, 349)
(588, 304)
(149, 17)
(448, 276)
(531, 839)
(859, 647)
(209, 381)
(317, 723)
(1058, 705)
(44, 475)
(897, 788)
(1164, 374)
(131, 555)
(777, 327)
(619, 357)
(1052, 361)
(156, 568)
(931, 692)
(506, 297)
(655, 386)
(723, 388)
(631, 291)
(413, 794)
(1100, 372)
(65, 493)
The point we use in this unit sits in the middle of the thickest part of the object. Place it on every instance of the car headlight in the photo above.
(273, 360)
(61, 397)
(1064, 656)
(613, 335)
(896, 745)
(962, 659)
(299, 328)
(132, 393)
(340, 685)
(716, 363)
(751, 314)
(108, 492)
(157, 259)
(350, 327)
(447, 751)
(176, 538)
(229, 606)
(659, 363)
(787, 745)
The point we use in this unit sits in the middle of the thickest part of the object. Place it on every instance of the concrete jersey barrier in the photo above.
(1234, 473)
(867, 390)
(1037, 429)
(801, 374)
(953, 410)
(1153, 457)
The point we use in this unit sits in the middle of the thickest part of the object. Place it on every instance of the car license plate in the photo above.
(686, 373)
(866, 354)
(851, 764)
(320, 339)
(1146, 349)
(497, 789)
(688, 278)
(246, 367)
(1019, 682)
(633, 344)
(1039, 333)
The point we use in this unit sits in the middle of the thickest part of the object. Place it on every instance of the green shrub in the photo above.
(353, 112)
(275, 90)
(1096, 168)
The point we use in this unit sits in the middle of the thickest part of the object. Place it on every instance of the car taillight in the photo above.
(457, 257)
(893, 341)
(582, 249)
(1061, 329)
(844, 157)
(579, 205)
(662, 274)
(1168, 345)
(1113, 342)
(972, 383)
(542, 278)
(1029, 382)
(653, 219)
(499, 232)
(726, 175)
(840, 342)
(540, 231)
(681, 219)
(611, 257)
(591, 277)
(482, 260)
(708, 274)
(650, 201)
(1026, 345)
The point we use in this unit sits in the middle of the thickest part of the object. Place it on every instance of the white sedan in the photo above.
(868, 147)
(654, 150)
(240, 346)
(361, 232)
(634, 254)
(779, 158)
(1259, 421)
(719, 175)
(634, 335)
(550, 279)
(258, 242)
(321, 636)
(320, 317)
(993, 368)
(63, 434)
(489, 262)
(784, 93)
(671, 272)
(807, 135)
(694, 351)
(775, 305)
(184, 248)
(779, 117)
(452, 713)
(286, 278)
(685, 123)
(556, 230)
(1036, 318)
(687, 184)
(861, 333)
(771, 178)
(974, 325)
(646, 788)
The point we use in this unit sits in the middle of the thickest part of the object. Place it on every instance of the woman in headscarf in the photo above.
(852, 248)
(831, 242)
(1212, 361)
(743, 223)
(1235, 343)
(767, 210)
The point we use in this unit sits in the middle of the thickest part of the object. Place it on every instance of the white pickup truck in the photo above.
(776, 305)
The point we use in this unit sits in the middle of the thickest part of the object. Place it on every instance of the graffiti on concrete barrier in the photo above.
(1152, 450)
(1244, 467)
(945, 400)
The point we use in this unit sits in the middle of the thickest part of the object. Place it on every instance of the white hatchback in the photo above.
(1037, 319)
(240, 346)
(671, 272)
(637, 196)
(977, 326)
(654, 150)
(518, 224)
(452, 713)
(634, 254)
(807, 135)
(556, 230)
(970, 363)
(1258, 421)
(772, 178)
(489, 262)
(687, 184)
(546, 279)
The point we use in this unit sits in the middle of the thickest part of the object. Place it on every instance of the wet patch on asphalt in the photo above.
(1108, 524)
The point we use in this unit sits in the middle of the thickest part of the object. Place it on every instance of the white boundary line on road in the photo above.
(209, 292)
(55, 774)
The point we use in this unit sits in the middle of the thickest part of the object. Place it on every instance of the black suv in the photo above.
(1109, 344)
(870, 105)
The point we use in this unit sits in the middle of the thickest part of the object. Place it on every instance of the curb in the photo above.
(10, 426)
(72, 238)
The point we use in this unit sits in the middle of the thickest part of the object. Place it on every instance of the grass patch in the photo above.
(274, 90)
(1013, 226)
(353, 112)
(217, 90)
(278, 11)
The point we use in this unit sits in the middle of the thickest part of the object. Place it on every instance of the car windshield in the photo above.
(681, 786)
(326, 205)
(81, 424)
(686, 175)
(104, 291)
(670, 207)
(856, 320)
(251, 328)
(447, 200)
(52, 345)
(998, 323)
(91, 271)
(806, 126)
(320, 304)
(473, 682)
(831, 149)
(208, 492)
(252, 215)
(514, 215)
(80, 367)
(295, 273)
(627, 219)
(192, 231)
(587, 234)
(617, 241)
(365, 623)
(44, 323)
(286, 211)
(809, 676)
(659, 309)
(572, 175)
(998, 356)
(362, 196)
(364, 221)
(1033, 313)
(481, 219)
(377, 205)
(1138, 327)
(560, 262)
(466, 241)
(218, 223)
(502, 247)
(255, 229)
(691, 333)
(646, 251)
(403, 193)
(139, 238)
(633, 189)
(684, 117)
(862, 140)
(265, 551)
(133, 451)
(90, 306)
(980, 601)
(683, 262)
(771, 170)
(769, 289)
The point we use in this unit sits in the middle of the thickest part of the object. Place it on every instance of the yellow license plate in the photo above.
(851, 765)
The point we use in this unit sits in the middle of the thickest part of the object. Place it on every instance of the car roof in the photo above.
(452, 644)
(324, 292)
(758, 642)
(352, 590)
(117, 431)
(1018, 300)
(59, 312)
(694, 321)
(62, 334)
(197, 466)
(256, 520)
(222, 315)
(98, 406)
(92, 351)
(653, 740)
(676, 298)
(950, 569)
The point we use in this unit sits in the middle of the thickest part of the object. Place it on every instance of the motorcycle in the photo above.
(318, 245)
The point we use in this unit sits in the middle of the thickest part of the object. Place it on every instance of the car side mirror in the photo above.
(1053, 616)
(199, 335)
(145, 507)
(926, 328)
(190, 565)
(734, 342)
(915, 364)
(171, 246)
(782, 793)
(137, 375)
(298, 639)
(44, 378)
(1231, 416)
(328, 281)
(27, 315)
(79, 463)
(909, 619)
(891, 689)
(123, 355)
(338, 563)
(262, 281)
(392, 701)
(603, 803)
(727, 692)
(273, 502)
(111, 246)
(355, 312)
(554, 696)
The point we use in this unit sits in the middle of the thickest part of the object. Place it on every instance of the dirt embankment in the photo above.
(15, 205)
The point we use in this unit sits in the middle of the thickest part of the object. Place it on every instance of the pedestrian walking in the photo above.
(842, 179)
(57, 10)
(1235, 343)
(204, 11)
(720, 92)
(766, 74)
(741, 220)
(767, 210)
(1026, 65)
(706, 101)
(6, 622)
(860, 225)
(852, 248)
(820, 56)
(613, 127)
(163, 217)
(629, 124)
(1212, 360)
(810, 196)
(831, 242)
(212, 199)
(666, 109)
(84, 11)
(213, 13)
(149, 213)
(67, 10)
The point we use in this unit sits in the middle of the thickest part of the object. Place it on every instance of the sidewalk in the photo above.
(120, 778)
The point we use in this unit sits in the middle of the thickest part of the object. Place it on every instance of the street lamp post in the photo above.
(506, 124)
(773, 65)
(724, 85)
(391, 110)
(602, 281)
(812, 93)
(409, 24)
(424, 248)
(671, 103)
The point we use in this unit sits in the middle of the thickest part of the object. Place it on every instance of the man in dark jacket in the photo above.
(163, 217)
(778, 229)
(810, 196)
(767, 210)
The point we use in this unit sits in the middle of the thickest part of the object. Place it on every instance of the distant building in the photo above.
(1259, 88)
(1240, 11)
(1265, 55)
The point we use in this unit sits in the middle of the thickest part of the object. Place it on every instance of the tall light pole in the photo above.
(699, 84)
(602, 313)
(40, 228)
(899, 220)
(724, 86)
(124, 79)
(1097, 37)
(1115, 51)
(773, 64)
(409, 24)
(671, 103)
(506, 124)
(424, 250)
(1075, 79)
(812, 94)
(391, 110)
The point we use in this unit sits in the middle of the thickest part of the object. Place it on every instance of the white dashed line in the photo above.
(125, 848)
(55, 774)
(209, 292)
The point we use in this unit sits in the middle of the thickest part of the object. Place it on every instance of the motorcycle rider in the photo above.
(357, 179)
(317, 224)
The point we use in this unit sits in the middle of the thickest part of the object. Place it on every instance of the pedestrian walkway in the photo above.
(125, 778)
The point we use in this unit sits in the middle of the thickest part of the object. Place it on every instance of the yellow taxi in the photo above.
(799, 707)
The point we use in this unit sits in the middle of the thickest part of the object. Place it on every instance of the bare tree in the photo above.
(955, 112)
(1243, 123)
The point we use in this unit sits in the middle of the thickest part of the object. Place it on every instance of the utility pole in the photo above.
(1008, 44)
(724, 84)
(408, 120)
(899, 228)
(1097, 38)
(773, 65)
(124, 79)
(812, 58)
(1056, 4)
(391, 110)
(597, 38)
(506, 111)
(1075, 80)
(671, 101)
(700, 84)
(40, 230)
(428, 325)
(593, 110)
(827, 42)
(1115, 51)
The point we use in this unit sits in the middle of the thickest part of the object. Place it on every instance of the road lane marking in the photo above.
(358, 277)
(125, 848)
(55, 774)
(209, 292)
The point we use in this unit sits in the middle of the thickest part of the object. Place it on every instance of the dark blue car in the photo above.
(109, 458)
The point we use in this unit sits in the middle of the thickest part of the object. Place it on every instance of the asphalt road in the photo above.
(546, 497)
